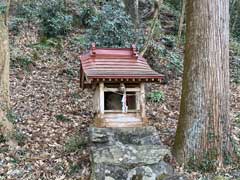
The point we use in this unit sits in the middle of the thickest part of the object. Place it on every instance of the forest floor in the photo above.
(51, 111)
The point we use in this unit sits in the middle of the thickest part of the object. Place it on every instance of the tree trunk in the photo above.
(131, 7)
(157, 7)
(7, 11)
(204, 125)
(6, 126)
(181, 20)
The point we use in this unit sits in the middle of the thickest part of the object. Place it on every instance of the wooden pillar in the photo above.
(101, 99)
(142, 100)
(96, 102)
(138, 103)
(81, 78)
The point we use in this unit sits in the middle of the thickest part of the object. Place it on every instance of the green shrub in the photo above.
(235, 47)
(235, 143)
(86, 12)
(2, 138)
(175, 62)
(76, 143)
(174, 4)
(15, 23)
(156, 96)
(47, 43)
(80, 42)
(111, 27)
(19, 137)
(12, 117)
(21, 59)
(2, 8)
(28, 10)
(235, 61)
(235, 20)
(61, 117)
(170, 58)
(25, 12)
(51, 15)
(54, 20)
(74, 168)
(24, 62)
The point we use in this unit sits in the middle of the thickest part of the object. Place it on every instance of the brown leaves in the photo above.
(40, 97)
(49, 92)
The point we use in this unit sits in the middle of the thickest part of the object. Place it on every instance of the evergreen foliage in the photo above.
(235, 19)
(2, 8)
(76, 143)
(111, 27)
(156, 96)
(54, 19)
(86, 11)
(51, 15)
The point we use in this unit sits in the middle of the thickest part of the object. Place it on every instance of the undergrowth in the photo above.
(12, 117)
(157, 97)
(62, 118)
(76, 143)
(111, 27)
(206, 164)
(19, 137)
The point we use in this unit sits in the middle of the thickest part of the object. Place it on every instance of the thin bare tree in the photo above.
(6, 126)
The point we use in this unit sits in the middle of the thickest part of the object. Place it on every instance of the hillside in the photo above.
(52, 114)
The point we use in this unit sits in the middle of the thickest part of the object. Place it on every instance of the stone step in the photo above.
(144, 172)
(126, 153)
(135, 136)
(129, 155)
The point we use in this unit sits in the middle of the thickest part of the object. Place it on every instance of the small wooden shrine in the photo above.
(118, 76)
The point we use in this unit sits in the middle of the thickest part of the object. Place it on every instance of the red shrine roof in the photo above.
(115, 64)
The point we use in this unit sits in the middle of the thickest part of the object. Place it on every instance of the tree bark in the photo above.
(181, 20)
(157, 7)
(7, 11)
(204, 125)
(6, 127)
(131, 7)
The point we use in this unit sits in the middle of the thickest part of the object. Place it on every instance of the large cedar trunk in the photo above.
(5, 125)
(203, 128)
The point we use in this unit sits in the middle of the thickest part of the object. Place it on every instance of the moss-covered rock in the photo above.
(128, 153)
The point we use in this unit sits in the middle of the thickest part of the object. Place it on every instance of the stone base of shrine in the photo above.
(128, 153)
